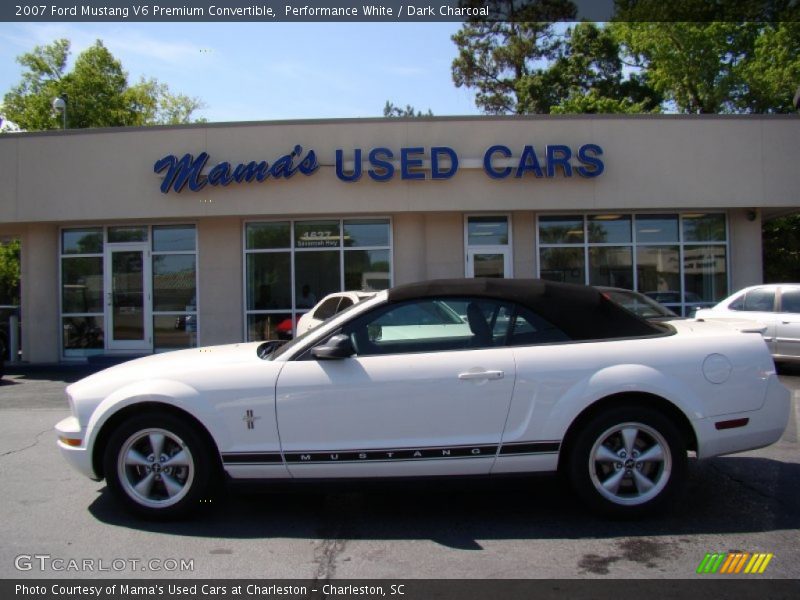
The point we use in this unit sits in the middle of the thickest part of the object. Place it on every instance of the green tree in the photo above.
(717, 67)
(587, 76)
(390, 110)
(781, 238)
(498, 57)
(96, 89)
(9, 272)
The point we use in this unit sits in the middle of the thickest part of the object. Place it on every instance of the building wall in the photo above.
(40, 294)
(668, 161)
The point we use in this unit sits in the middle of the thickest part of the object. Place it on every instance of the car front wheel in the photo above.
(159, 466)
(628, 461)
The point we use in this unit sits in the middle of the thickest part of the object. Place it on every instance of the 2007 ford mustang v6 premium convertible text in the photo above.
(439, 378)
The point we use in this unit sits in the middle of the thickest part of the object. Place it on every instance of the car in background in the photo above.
(537, 377)
(692, 301)
(330, 305)
(639, 304)
(775, 306)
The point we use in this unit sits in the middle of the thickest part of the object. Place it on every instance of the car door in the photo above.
(426, 392)
(788, 323)
(758, 305)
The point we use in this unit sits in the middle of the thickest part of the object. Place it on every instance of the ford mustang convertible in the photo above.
(462, 377)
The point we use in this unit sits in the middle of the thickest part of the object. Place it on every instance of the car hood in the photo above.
(196, 366)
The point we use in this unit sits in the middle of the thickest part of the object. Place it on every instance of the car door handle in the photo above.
(481, 375)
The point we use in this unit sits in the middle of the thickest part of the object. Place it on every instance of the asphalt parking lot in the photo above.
(521, 528)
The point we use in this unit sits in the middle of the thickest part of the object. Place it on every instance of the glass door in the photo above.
(488, 263)
(487, 246)
(128, 320)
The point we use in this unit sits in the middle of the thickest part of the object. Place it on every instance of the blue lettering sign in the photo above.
(587, 154)
(436, 171)
(407, 163)
(558, 155)
(189, 170)
(382, 169)
(487, 162)
(529, 162)
(355, 175)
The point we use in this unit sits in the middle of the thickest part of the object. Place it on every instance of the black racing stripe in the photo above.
(530, 448)
(391, 454)
(252, 458)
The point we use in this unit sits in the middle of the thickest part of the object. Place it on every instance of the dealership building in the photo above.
(151, 239)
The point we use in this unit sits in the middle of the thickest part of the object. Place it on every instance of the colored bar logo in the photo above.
(734, 563)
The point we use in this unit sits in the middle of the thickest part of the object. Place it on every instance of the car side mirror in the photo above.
(339, 346)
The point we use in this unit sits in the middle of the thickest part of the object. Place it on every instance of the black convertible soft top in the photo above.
(580, 311)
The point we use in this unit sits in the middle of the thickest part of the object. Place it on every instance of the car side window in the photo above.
(758, 300)
(327, 309)
(530, 329)
(790, 301)
(429, 325)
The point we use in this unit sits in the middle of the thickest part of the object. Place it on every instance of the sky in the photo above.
(270, 71)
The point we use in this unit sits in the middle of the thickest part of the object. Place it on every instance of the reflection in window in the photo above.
(267, 236)
(705, 272)
(83, 333)
(704, 228)
(82, 284)
(367, 270)
(758, 300)
(272, 326)
(127, 233)
(656, 228)
(269, 281)
(172, 332)
(560, 230)
(487, 231)
(562, 264)
(174, 238)
(658, 268)
(790, 301)
(174, 277)
(288, 277)
(82, 241)
(611, 266)
(609, 229)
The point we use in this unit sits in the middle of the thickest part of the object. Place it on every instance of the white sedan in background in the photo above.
(330, 305)
(775, 306)
(467, 377)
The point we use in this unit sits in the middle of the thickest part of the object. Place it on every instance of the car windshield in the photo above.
(281, 349)
(638, 304)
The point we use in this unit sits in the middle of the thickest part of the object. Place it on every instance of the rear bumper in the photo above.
(764, 426)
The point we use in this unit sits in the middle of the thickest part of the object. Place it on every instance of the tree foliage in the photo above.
(781, 238)
(497, 58)
(96, 90)
(390, 110)
(9, 272)
(630, 66)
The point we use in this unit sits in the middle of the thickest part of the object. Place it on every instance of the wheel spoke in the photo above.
(654, 454)
(145, 485)
(604, 454)
(612, 483)
(157, 444)
(629, 435)
(172, 484)
(643, 484)
(135, 459)
(181, 459)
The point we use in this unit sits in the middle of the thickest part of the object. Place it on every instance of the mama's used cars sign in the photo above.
(381, 164)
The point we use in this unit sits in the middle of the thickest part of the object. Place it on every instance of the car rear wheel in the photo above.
(628, 461)
(159, 466)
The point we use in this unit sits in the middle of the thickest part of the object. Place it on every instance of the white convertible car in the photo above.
(450, 377)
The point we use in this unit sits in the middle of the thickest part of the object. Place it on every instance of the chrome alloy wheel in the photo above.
(155, 468)
(630, 464)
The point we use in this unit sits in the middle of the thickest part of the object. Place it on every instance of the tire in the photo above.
(170, 486)
(628, 461)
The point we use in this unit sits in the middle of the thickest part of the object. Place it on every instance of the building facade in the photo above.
(145, 240)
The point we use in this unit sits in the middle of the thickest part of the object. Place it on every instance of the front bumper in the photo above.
(765, 426)
(78, 456)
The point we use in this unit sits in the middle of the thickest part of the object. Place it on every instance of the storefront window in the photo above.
(487, 231)
(97, 315)
(174, 308)
(679, 260)
(292, 265)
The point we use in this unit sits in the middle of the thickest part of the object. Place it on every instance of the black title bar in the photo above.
(269, 11)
